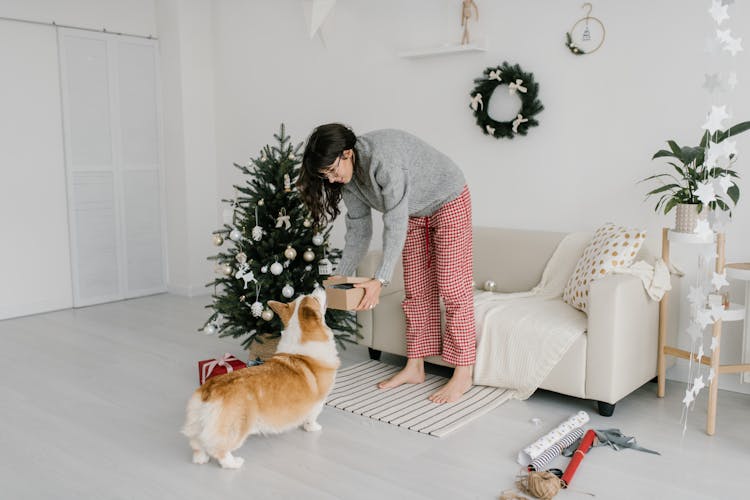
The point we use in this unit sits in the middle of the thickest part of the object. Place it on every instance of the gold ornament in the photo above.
(290, 253)
(308, 256)
(242, 298)
(218, 240)
(261, 202)
(227, 269)
(489, 285)
(267, 315)
(307, 223)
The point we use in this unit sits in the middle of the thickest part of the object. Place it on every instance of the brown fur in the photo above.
(284, 392)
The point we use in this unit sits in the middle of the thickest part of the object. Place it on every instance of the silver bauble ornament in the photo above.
(276, 268)
(317, 239)
(267, 315)
(209, 329)
(290, 253)
(308, 268)
(257, 233)
(308, 256)
(489, 286)
(227, 269)
(235, 234)
(287, 291)
(264, 269)
(218, 240)
(256, 309)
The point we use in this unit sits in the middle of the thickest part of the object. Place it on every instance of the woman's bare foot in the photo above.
(412, 373)
(459, 383)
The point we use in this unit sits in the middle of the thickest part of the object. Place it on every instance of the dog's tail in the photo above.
(201, 416)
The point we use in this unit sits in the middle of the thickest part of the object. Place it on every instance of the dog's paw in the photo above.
(200, 457)
(311, 426)
(232, 462)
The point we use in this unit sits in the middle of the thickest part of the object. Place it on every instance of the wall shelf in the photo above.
(447, 48)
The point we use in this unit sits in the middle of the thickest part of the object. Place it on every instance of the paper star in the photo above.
(696, 295)
(719, 220)
(724, 35)
(717, 115)
(733, 45)
(711, 374)
(717, 312)
(718, 12)
(705, 192)
(688, 397)
(711, 82)
(713, 153)
(703, 228)
(714, 345)
(732, 80)
(722, 185)
(700, 354)
(729, 147)
(719, 281)
(698, 385)
(703, 317)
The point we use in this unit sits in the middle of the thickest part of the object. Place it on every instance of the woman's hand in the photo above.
(372, 294)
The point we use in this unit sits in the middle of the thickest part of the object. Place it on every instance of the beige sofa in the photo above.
(616, 355)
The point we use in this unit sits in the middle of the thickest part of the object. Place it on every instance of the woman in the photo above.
(426, 210)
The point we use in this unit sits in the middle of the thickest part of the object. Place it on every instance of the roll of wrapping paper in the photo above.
(575, 461)
(535, 449)
(541, 462)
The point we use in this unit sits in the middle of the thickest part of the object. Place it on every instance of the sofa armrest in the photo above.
(622, 338)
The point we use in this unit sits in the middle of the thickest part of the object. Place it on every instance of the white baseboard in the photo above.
(189, 290)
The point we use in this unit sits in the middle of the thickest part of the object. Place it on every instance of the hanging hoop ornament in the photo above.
(519, 83)
(586, 35)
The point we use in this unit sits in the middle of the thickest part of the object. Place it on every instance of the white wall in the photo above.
(605, 114)
(35, 255)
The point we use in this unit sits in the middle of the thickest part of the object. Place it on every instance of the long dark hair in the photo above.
(325, 144)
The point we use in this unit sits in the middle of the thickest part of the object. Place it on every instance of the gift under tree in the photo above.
(269, 250)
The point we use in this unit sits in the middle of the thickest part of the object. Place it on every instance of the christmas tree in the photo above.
(272, 252)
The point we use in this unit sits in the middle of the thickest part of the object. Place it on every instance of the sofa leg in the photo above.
(606, 409)
(374, 353)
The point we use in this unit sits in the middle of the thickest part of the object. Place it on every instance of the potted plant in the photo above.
(695, 166)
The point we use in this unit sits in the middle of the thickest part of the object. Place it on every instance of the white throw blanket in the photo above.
(523, 335)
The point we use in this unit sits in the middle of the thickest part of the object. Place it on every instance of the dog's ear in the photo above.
(283, 310)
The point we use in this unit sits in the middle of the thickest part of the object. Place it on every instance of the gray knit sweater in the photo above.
(399, 175)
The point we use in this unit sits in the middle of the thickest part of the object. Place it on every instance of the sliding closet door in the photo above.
(111, 126)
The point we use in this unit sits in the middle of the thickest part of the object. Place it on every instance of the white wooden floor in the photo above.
(92, 400)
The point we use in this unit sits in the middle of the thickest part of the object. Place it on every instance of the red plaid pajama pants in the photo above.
(437, 259)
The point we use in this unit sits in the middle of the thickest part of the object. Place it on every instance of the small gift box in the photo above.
(341, 294)
(211, 367)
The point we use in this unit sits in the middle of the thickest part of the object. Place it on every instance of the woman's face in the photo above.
(341, 170)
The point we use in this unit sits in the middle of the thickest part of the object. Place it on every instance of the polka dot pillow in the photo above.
(613, 246)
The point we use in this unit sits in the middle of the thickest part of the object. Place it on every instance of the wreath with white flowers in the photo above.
(519, 83)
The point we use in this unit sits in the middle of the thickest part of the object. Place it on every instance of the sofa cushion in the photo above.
(612, 247)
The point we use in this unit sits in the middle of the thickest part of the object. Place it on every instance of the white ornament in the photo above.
(476, 102)
(227, 269)
(290, 253)
(257, 233)
(245, 274)
(717, 115)
(719, 281)
(718, 11)
(287, 291)
(697, 296)
(235, 234)
(325, 267)
(308, 268)
(688, 397)
(264, 269)
(256, 309)
(283, 219)
(307, 223)
(210, 329)
(276, 268)
(267, 315)
(317, 239)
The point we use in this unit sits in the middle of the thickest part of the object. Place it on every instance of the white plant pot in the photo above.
(687, 217)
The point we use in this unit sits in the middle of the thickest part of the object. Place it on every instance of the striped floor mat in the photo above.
(407, 406)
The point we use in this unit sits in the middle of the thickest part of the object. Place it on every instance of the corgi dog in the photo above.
(285, 392)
